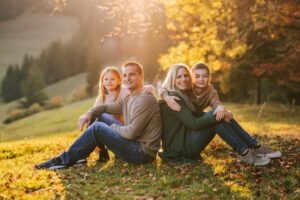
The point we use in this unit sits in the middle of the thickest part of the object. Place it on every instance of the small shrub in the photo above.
(55, 102)
(34, 108)
(17, 114)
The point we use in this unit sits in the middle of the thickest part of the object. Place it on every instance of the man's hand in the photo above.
(171, 102)
(228, 116)
(220, 113)
(84, 119)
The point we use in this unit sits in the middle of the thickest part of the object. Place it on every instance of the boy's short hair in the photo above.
(138, 66)
(200, 65)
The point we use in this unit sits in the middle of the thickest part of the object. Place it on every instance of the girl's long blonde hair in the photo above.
(102, 89)
(169, 82)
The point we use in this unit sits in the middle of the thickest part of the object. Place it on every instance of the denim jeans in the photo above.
(232, 133)
(100, 133)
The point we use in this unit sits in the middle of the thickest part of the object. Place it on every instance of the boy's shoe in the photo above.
(252, 158)
(52, 164)
(81, 161)
(267, 152)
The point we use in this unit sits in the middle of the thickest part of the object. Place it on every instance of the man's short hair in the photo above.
(138, 66)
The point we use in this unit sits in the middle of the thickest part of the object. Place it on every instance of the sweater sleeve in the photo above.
(188, 119)
(214, 98)
(162, 92)
(141, 114)
(112, 108)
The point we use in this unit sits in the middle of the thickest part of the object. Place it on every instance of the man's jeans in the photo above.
(100, 133)
(232, 133)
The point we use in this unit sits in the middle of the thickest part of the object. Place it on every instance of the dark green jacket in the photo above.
(177, 127)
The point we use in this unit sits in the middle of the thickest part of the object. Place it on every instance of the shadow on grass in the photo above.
(279, 180)
(219, 176)
(158, 180)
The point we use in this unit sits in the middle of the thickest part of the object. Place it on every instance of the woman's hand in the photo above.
(84, 119)
(171, 102)
(228, 116)
(220, 113)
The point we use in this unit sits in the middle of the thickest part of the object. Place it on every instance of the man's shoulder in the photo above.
(145, 99)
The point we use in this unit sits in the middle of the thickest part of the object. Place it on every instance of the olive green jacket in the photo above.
(177, 127)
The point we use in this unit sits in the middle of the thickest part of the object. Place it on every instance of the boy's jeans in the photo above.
(100, 133)
(232, 133)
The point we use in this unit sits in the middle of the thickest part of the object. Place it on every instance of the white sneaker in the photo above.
(252, 158)
(267, 152)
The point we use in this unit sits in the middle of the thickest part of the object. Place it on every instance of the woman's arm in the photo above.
(170, 100)
(188, 119)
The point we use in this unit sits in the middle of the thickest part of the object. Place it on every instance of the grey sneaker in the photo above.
(267, 152)
(252, 158)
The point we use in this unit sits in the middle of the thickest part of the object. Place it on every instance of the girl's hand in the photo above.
(220, 113)
(171, 102)
(148, 89)
(84, 119)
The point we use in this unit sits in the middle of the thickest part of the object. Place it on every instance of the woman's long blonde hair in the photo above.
(169, 82)
(102, 89)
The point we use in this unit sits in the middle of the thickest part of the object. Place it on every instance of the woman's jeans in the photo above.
(232, 133)
(100, 133)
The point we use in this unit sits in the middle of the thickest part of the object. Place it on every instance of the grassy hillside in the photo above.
(30, 33)
(49, 122)
(62, 88)
(218, 176)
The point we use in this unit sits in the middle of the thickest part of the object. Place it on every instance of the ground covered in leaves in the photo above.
(218, 176)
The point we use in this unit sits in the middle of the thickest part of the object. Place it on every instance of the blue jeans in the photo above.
(232, 133)
(100, 133)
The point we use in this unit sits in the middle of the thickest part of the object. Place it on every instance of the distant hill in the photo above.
(62, 88)
(29, 33)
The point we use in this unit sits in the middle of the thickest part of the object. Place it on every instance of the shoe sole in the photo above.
(256, 164)
(57, 167)
(271, 155)
(262, 163)
(80, 162)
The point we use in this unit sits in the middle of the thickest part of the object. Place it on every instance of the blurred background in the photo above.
(52, 51)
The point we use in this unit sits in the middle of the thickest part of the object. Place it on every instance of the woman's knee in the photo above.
(209, 113)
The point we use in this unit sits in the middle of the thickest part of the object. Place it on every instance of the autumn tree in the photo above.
(257, 39)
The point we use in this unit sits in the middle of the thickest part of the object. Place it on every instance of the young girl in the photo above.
(206, 96)
(110, 91)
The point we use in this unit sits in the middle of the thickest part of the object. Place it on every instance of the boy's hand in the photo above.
(171, 102)
(228, 116)
(220, 113)
(84, 119)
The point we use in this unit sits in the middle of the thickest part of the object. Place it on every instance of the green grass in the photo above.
(30, 33)
(219, 176)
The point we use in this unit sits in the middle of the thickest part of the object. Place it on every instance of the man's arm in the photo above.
(141, 113)
(113, 108)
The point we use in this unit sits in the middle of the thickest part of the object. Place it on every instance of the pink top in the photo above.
(123, 93)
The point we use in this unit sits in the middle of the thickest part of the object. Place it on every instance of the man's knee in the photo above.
(98, 126)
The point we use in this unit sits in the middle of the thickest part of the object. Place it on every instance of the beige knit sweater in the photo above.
(142, 120)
